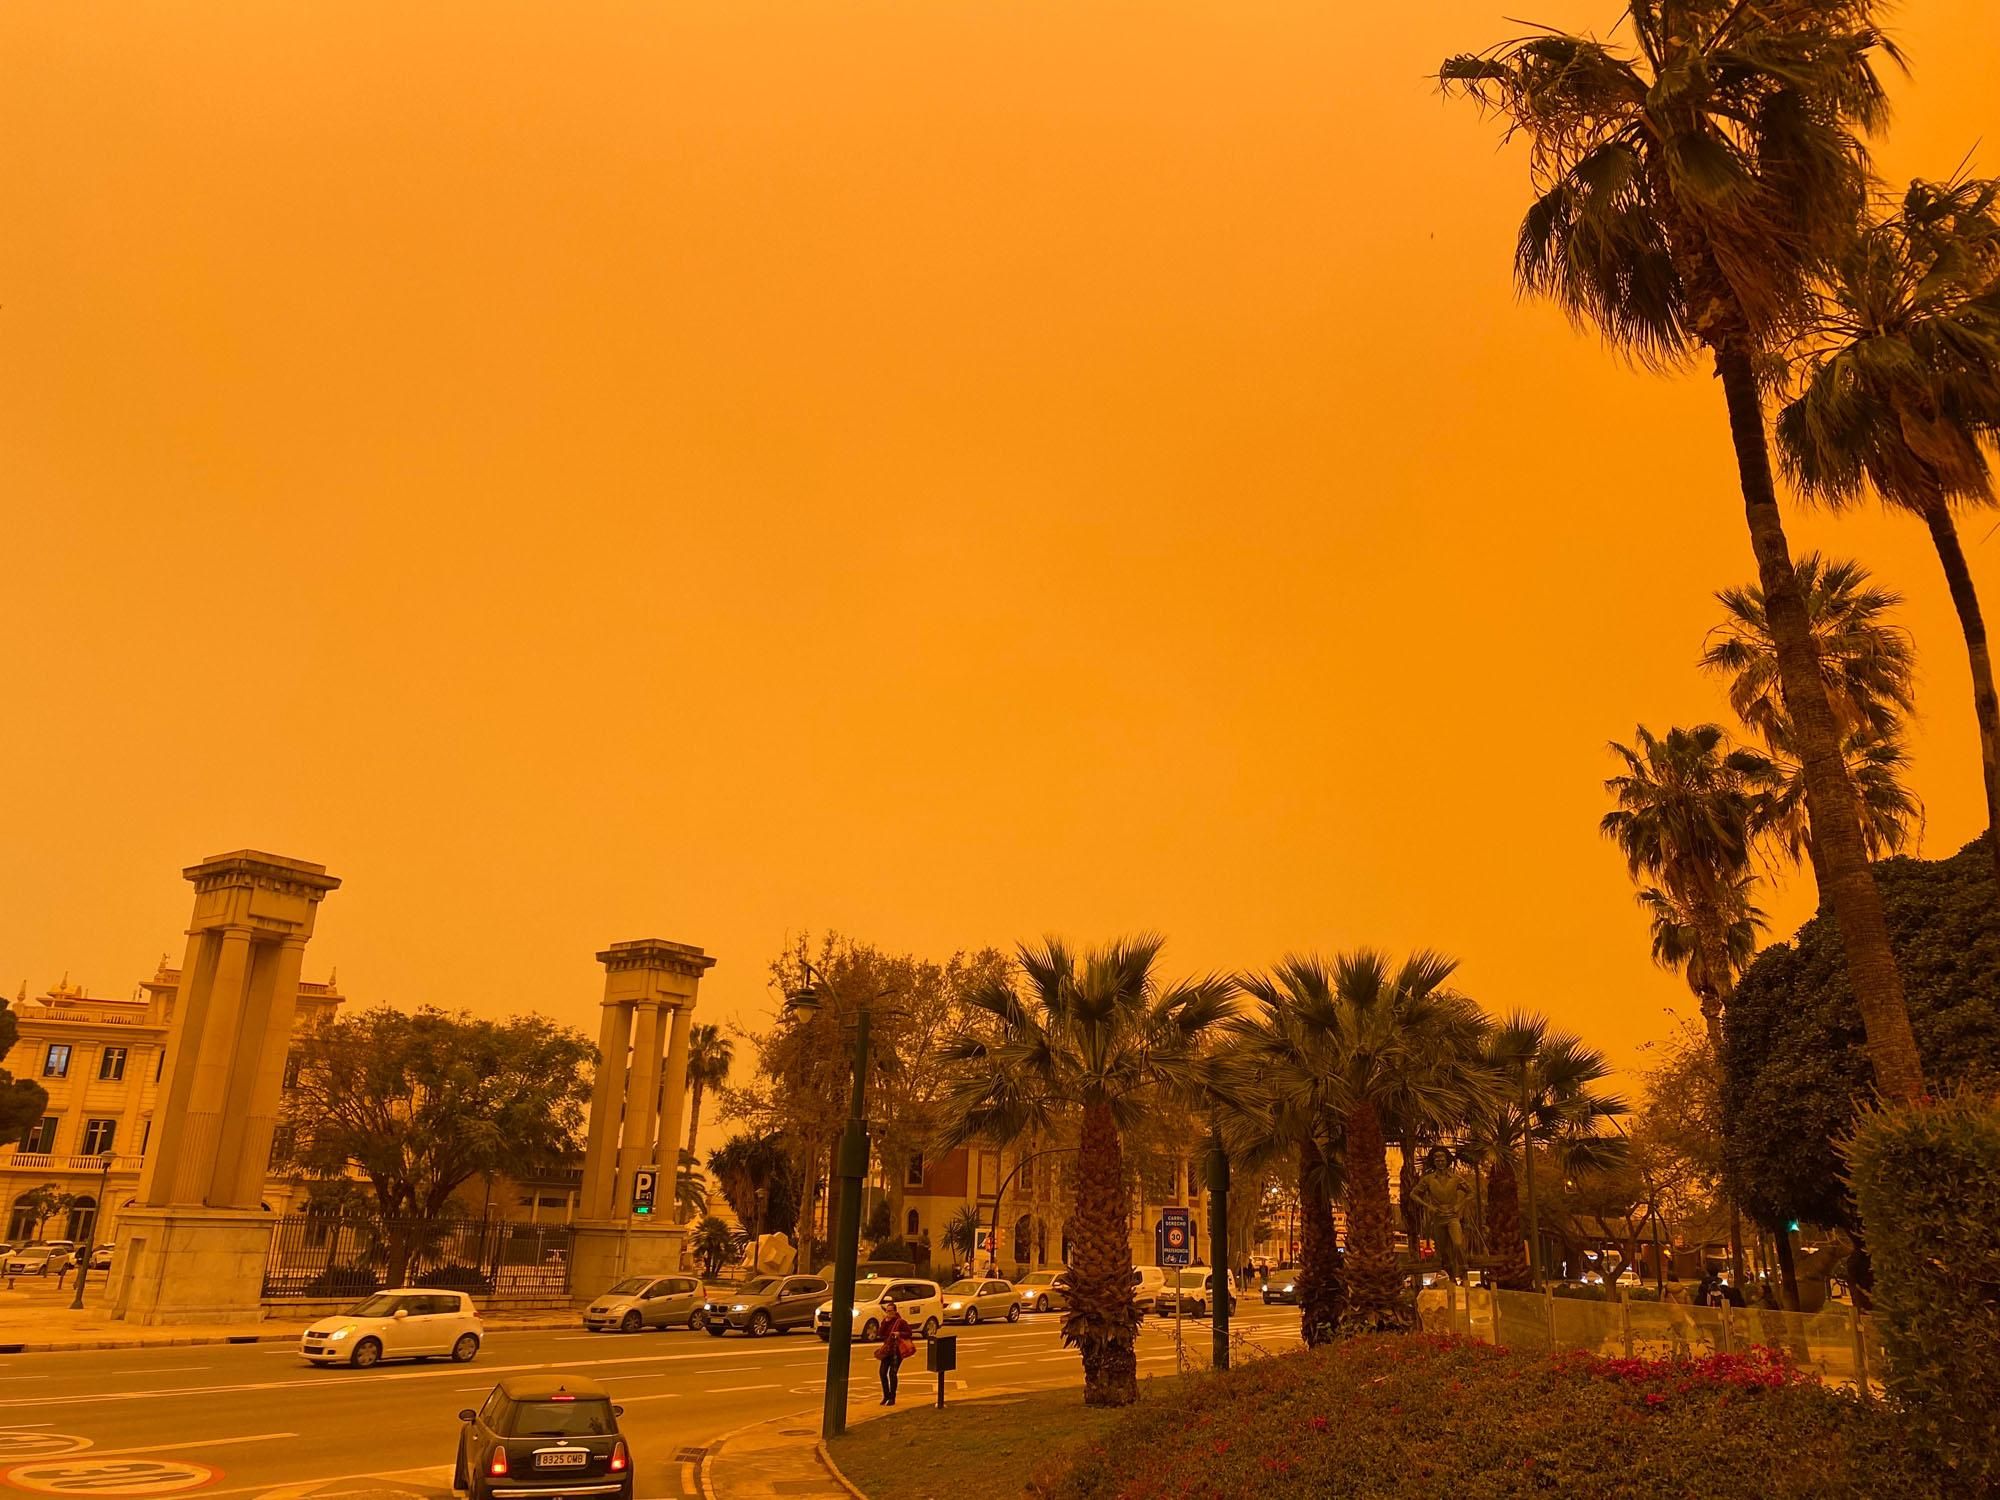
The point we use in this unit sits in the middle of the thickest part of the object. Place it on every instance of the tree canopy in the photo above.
(21, 1100)
(421, 1103)
(1795, 1068)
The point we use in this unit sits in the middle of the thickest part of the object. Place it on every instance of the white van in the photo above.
(1147, 1284)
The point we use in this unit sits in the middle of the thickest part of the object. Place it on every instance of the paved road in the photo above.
(255, 1420)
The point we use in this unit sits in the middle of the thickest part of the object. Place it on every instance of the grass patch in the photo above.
(986, 1447)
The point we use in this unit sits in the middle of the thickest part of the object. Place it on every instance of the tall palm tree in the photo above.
(1869, 668)
(1547, 1100)
(1685, 805)
(1900, 386)
(1095, 1038)
(1687, 187)
(708, 1060)
(1685, 936)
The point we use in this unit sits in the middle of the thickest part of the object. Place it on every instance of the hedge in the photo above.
(457, 1278)
(1927, 1178)
(1417, 1417)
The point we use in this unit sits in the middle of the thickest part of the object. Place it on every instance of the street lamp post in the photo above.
(83, 1266)
(1218, 1250)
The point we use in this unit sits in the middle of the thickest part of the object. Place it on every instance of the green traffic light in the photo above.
(1794, 1226)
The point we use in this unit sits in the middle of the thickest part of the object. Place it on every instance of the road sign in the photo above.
(1174, 1236)
(645, 1182)
(109, 1476)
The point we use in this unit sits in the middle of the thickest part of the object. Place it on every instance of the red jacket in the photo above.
(895, 1330)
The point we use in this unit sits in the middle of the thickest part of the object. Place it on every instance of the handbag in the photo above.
(906, 1348)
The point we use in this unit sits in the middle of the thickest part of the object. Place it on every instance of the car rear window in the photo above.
(586, 1416)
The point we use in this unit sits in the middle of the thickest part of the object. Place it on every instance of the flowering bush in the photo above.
(1413, 1418)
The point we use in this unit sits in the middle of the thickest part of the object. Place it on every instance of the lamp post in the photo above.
(1218, 1250)
(83, 1266)
(851, 1166)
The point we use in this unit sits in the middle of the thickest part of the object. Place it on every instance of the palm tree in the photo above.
(690, 1192)
(1687, 187)
(747, 1168)
(1546, 1101)
(961, 1233)
(711, 1243)
(708, 1059)
(1685, 805)
(1900, 384)
(1095, 1037)
(1708, 946)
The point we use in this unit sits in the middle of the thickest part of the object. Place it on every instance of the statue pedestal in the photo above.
(190, 1265)
(604, 1251)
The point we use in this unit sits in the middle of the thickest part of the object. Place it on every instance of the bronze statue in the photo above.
(1445, 1199)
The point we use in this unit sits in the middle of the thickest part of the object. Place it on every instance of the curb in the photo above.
(703, 1482)
(826, 1458)
(76, 1346)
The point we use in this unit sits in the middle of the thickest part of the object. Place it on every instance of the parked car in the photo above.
(1038, 1291)
(100, 1258)
(779, 1303)
(873, 1270)
(48, 1258)
(407, 1322)
(921, 1304)
(552, 1435)
(649, 1302)
(972, 1300)
(1147, 1284)
(1194, 1290)
(1283, 1286)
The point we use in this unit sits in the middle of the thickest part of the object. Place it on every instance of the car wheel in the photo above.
(971, 1317)
(1014, 1312)
(367, 1352)
(870, 1331)
(697, 1319)
(1041, 1304)
(930, 1328)
(466, 1348)
(760, 1323)
(716, 1330)
(826, 1335)
(631, 1322)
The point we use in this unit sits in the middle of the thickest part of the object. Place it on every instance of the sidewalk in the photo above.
(783, 1456)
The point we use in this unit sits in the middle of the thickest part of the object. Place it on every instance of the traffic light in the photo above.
(1793, 1226)
(643, 1183)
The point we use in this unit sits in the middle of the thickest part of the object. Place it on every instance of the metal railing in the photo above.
(321, 1257)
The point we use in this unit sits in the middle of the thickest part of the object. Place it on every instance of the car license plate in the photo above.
(562, 1458)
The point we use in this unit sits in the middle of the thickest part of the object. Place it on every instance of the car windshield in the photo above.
(1195, 1280)
(1040, 1278)
(381, 1305)
(631, 1286)
(758, 1287)
(579, 1416)
(964, 1289)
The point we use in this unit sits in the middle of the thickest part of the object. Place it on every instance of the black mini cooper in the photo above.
(546, 1436)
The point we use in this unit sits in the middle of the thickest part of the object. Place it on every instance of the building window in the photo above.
(83, 1219)
(98, 1136)
(40, 1137)
(911, 1232)
(160, 1065)
(111, 1065)
(915, 1176)
(281, 1145)
(1024, 1175)
(146, 1135)
(56, 1064)
(292, 1062)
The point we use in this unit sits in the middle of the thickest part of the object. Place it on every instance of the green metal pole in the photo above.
(1219, 1254)
(89, 1247)
(853, 1167)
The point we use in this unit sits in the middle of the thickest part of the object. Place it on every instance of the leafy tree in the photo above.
(1096, 1037)
(22, 1100)
(1689, 182)
(44, 1203)
(711, 1243)
(1899, 387)
(1795, 1068)
(758, 1180)
(1677, 1132)
(710, 1053)
(419, 1103)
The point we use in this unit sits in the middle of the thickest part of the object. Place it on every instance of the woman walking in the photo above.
(898, 1344)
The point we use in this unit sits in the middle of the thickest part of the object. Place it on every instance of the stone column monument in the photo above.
(196, 1241)
(636, 1110)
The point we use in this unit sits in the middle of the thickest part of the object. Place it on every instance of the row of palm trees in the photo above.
(1702, 190)
(1318, 1065)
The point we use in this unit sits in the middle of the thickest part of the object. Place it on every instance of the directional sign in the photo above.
(1174, 1236)
(644, 1183)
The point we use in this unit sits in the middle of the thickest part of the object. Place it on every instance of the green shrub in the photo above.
(1416, 1417)
(1927, 1179)
(1581, 1291)
(456, 1278)
(343, 1281)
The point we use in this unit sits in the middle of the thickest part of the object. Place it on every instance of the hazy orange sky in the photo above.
(948, 472)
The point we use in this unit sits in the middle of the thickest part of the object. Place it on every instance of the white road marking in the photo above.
(167, 1370)
(260, 1437)
(653, 1396)
(730, 1390)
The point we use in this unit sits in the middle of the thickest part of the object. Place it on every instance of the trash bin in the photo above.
(942, 1356)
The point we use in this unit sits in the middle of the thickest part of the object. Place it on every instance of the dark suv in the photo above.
(543, 1435)
(779, 1303)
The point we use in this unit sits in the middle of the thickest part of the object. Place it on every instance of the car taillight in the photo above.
(618, 1458)
(497, 1465)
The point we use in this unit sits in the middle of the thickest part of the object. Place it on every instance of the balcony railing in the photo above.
(66, 1161)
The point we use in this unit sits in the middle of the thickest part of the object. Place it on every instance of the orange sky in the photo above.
(944, 471)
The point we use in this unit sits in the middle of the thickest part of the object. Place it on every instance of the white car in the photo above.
(921, 1304)
(409, 1322)
(100, 1258)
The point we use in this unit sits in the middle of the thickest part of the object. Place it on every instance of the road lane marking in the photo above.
(168, 1370)
(730, 1390)
(653, 1396)
(258, 1437)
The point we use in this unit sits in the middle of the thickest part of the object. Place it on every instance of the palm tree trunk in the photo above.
(1839, 856)
(1101, 1320)
(1503, 1221)
(1321, 1296)
(1375, 1299)
(1985, 701)
(694, 1112)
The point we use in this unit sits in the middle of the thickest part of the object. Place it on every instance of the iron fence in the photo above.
(323, 1257)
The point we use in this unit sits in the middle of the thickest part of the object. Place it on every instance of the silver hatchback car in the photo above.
(648, 1302)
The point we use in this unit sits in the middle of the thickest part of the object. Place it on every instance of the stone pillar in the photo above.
(196, 1243)
(641, 979)
(673, 1100)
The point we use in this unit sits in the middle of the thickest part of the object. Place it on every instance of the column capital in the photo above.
(657, 954)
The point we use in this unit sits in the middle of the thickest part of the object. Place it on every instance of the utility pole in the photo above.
(1218, 1250)
(83, 1265)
